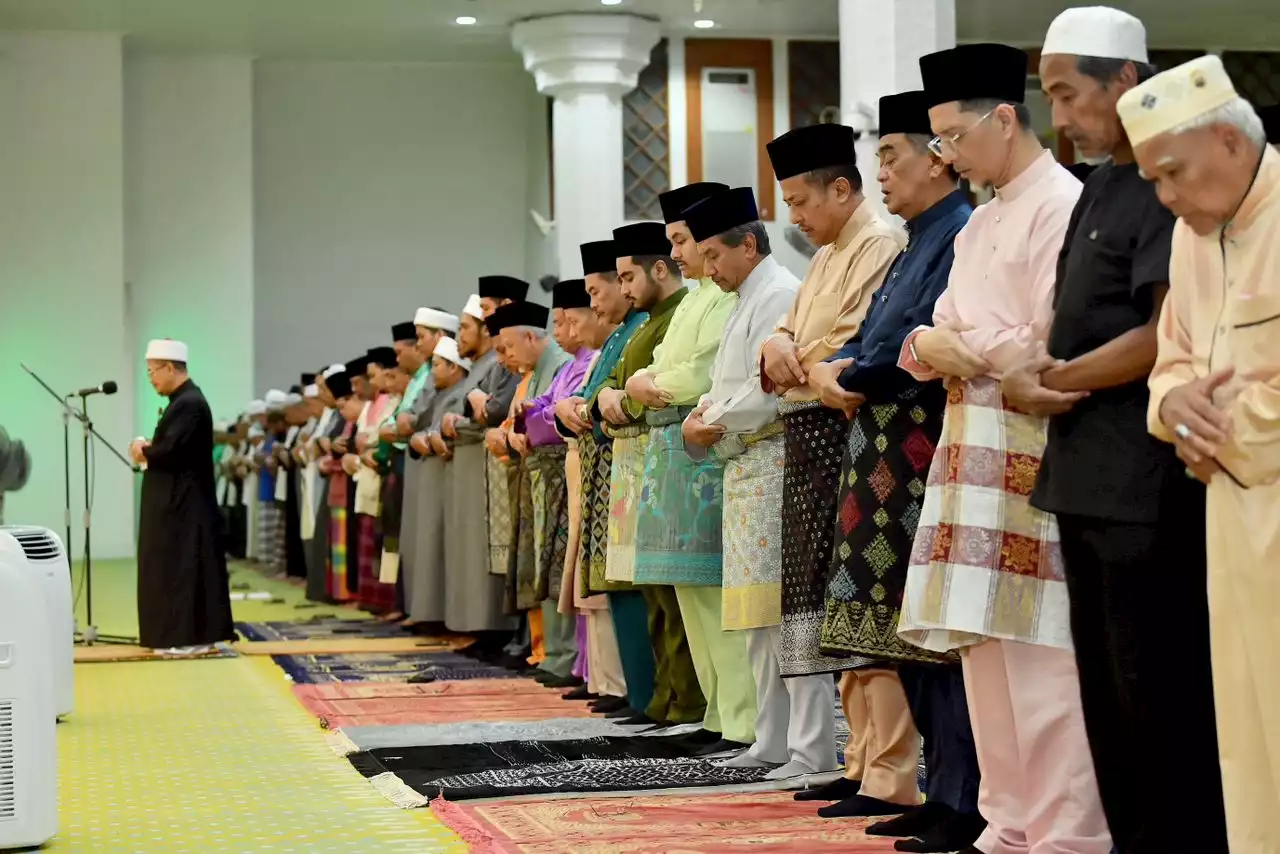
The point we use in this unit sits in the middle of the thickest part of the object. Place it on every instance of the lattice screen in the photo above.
(1256, 75)
(645, 140)
(814, 82)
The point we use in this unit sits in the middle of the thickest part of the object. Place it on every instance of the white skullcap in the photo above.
(1175, 97)
(293, 399)
(256, 430)
(167, 350)
(473, 307)
(312, 390)
(448, 349)
(333, 369)
(1097, 31)
(221, 426)
(276, 400)
(257, 407)
(433, 319)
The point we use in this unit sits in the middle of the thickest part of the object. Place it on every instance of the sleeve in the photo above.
(1173, 338)
(687, 379)
(944, 311)
(756, 405)
(637, 354)
(1152, 250)
(877, 382)
(171, 450)
(1004, 347)
(1252, 452)
(504, 391)
(865, 276)
(787, 325)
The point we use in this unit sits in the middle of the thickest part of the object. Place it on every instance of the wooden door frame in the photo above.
(756, 54)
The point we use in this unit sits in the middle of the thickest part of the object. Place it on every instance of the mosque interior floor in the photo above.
(213, 755)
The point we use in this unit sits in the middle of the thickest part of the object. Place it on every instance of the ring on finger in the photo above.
(1182, 431)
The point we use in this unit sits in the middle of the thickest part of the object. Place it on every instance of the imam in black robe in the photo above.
(183, 597)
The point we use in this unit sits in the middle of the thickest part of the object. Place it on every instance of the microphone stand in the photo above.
(90, 635)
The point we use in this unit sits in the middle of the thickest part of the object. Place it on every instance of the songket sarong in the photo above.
(815, 438)
(571, 598)
(752, 530)
(318, 546)
(986, 564)
(523, 579)
(629, 444)
(426, 605)
(339, 528)
(597, 467)
(409, 512)
(473, 595)
(882, 483)
(502, 480)
(372, 593)
(546, 466)
(271, 534)
(678, 530)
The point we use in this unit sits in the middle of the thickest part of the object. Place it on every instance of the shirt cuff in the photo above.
(909, 363)
(1160, 387)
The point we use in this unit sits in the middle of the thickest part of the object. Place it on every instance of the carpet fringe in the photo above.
(394, 789)
(340, 744)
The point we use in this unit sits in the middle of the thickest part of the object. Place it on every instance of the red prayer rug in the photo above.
(391, 704)
(762, 823)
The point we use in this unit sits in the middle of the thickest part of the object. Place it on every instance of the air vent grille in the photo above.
(8, 762)
(37, 544)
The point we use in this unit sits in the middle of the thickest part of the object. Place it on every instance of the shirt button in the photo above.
(1222, 330)
(997, 219)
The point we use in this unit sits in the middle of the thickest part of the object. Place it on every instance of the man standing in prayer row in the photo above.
(616, 321)
(344, 580)
(1131, 522)
(315, 525)
(387, 379)
(554, 490)
(651, 282)
(893, 689)
(735, 426)
(1215, 395)
(822, 187)
(448, 374)
(531, 350)
(473, 596)
(431, 324)
(677, 541)
(986, 574)
(678, 532)
(184, 606)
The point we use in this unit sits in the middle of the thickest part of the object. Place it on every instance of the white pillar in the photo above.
(881, 42)
(586, 63)
(189, 220)
(62, 271)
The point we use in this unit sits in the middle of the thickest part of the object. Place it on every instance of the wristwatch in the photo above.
(911, 345)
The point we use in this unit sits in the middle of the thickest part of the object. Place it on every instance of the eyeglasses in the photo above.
(939, 144)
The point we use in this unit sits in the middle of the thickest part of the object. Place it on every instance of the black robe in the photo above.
(183, 597)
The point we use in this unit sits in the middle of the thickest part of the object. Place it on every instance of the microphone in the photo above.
(109, 387)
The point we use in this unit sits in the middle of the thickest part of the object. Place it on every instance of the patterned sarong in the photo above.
(338, 554)
(629, 446)
(986, 564)
(678, 532)
(597, 465)
(546, 467)
(271, 535)
(753, 535)
(522, 580)
(503, 482)
(886, 463)
(372, 593)
(815, 438)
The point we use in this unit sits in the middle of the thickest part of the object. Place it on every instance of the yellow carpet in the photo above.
(216, 757)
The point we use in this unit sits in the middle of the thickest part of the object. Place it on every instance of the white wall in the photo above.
(62, 300)
(380, 188)
(189, 220)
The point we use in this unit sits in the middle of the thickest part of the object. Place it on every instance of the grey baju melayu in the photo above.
(422, 535)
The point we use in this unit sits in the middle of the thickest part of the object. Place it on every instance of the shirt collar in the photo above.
(857, 220)
(763, 272)
(1039, 168)
(669, 304)
(1266, 182)
(949, 203)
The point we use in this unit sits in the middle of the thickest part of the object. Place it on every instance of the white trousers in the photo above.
(795, 718)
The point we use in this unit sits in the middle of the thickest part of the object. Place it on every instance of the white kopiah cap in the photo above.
(473, 307)
(276, 400)
(333, 369)
(1097, 31)
(448, 349)
(310, 391)
(434, 319)
(168, 350)
(257, 407)
(293, 399)
(1175, 97)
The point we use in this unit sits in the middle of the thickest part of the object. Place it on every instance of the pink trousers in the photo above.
(1038, 791)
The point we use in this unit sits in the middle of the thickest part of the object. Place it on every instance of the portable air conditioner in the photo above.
(47, 557)
(28, 745)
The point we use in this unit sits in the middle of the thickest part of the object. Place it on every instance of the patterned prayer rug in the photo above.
(339, 706)
(386, 667)
(320, 628)
(517, 768)
(354, 739)
(763, 823)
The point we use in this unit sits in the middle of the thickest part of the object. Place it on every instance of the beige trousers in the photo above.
(883, 750)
